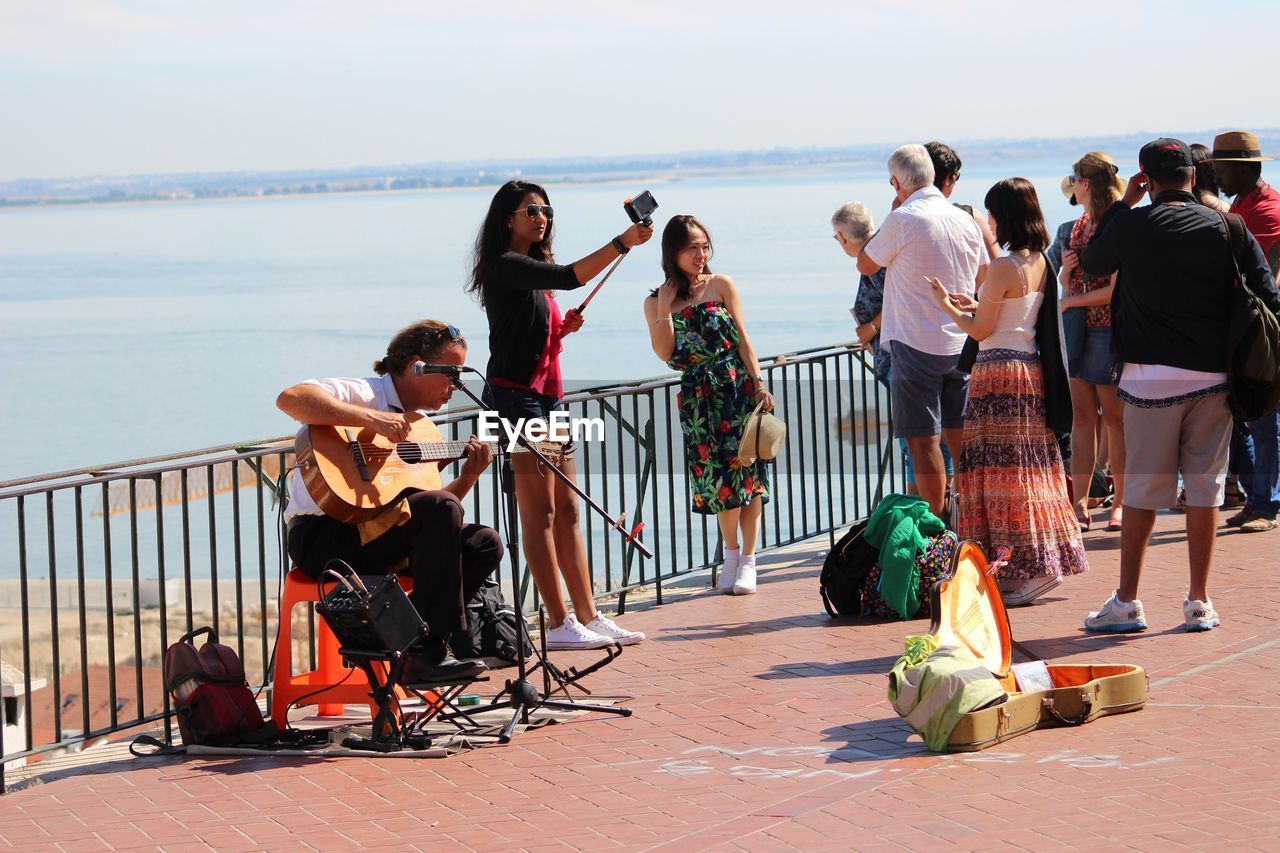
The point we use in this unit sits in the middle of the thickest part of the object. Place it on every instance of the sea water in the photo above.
(134, 330)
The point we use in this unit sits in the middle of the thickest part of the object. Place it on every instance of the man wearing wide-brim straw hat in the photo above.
(1237, 164)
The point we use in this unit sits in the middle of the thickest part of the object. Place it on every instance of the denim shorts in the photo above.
(927, 392)
(1098, 364)
(512, 404)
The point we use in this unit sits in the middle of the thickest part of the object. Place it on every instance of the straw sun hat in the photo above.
(1119, 182)
(762, 438)
(1239, 146)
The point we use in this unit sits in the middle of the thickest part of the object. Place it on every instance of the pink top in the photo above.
(546, 378)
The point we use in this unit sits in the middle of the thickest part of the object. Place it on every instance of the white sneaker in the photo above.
(606, 627)
(745, 584)
(1025, 592)
(728, 573)
(1199, 615)
(572, 634)
(1117, 618)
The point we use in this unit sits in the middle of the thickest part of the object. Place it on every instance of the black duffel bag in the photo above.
(844, 573)
(493, 628)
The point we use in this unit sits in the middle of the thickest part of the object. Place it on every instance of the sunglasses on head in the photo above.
(451, 331)
(534, 210)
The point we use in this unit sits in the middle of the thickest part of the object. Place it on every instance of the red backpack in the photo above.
(211, 697)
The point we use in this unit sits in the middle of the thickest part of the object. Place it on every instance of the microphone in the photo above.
(421, 368)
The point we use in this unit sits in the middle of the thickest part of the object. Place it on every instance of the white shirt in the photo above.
(925, 236)
(375, 392)
(1158, 385)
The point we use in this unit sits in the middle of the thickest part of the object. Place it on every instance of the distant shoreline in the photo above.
(563, 182)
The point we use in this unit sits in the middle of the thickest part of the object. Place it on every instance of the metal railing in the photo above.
(104, 567)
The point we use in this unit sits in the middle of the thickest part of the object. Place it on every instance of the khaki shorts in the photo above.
(1192, 437)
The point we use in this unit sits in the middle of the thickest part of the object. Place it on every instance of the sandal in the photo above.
(1116, 518)
(1084, 520)
(1232, 496)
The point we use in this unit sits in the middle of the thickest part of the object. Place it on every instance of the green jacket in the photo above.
(901, 528)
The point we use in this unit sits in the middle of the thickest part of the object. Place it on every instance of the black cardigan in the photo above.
(519, 320)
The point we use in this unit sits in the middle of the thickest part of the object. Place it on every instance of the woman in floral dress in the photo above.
(696, 326)
(1095, 374)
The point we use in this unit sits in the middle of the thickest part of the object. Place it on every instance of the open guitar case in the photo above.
(969, 612)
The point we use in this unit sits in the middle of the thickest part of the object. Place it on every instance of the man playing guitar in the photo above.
(448, 560)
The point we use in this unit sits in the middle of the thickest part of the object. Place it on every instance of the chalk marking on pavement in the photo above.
(1231, 658)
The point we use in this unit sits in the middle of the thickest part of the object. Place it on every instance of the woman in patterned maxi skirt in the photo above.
(1010, 479)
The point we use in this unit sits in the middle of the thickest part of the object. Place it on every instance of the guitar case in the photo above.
(969, 612)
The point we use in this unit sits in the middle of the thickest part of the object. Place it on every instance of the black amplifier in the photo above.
(373, 616)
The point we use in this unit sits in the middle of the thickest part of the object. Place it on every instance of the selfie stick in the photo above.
(635, 217)
(596, 289)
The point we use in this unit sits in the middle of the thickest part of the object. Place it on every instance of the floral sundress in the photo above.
(715, 400)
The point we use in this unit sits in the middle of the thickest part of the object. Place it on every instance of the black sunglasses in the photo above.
(533, 210)
(451, 330)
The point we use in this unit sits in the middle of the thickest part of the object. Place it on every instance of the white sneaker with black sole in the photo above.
(572, 634)
(606, 627)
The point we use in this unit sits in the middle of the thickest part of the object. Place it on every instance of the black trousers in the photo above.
(448, 560)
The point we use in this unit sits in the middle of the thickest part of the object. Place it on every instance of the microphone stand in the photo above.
(521, 696)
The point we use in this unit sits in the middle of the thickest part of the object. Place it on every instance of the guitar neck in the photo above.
(430, 451)
(446, 451)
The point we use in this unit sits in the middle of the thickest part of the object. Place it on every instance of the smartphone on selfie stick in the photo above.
(640, 209)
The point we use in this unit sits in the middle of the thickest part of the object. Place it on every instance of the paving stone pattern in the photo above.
(761, 724)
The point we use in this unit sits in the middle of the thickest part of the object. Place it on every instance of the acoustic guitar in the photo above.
(352, 473)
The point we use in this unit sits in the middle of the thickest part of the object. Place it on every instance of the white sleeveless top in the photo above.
(1016, 324)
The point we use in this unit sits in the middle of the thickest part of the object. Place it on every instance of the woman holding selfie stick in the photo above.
(696, 326)
(514, 276)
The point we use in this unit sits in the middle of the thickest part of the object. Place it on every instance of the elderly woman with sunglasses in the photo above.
(515, 277)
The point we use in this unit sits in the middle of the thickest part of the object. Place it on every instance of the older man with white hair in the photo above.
(925, 236)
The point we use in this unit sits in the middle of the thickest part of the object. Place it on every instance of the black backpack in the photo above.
(844, 573)
(1253, 342)
(493, 628)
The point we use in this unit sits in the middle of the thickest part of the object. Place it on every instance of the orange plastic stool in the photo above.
(324, 686)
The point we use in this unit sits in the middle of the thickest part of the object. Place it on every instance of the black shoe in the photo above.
(419, 670)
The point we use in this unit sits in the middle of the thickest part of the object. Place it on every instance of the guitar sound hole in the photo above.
(409, 452)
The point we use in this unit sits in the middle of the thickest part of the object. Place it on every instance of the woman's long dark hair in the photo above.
(1206, 180)
(675, 237)
(1019, 221)
(495, 238)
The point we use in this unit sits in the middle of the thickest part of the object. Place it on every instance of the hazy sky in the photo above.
(114, 87)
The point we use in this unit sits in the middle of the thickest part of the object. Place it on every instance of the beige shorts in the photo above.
(1192, 437)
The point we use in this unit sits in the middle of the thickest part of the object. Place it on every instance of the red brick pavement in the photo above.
(761, 724)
